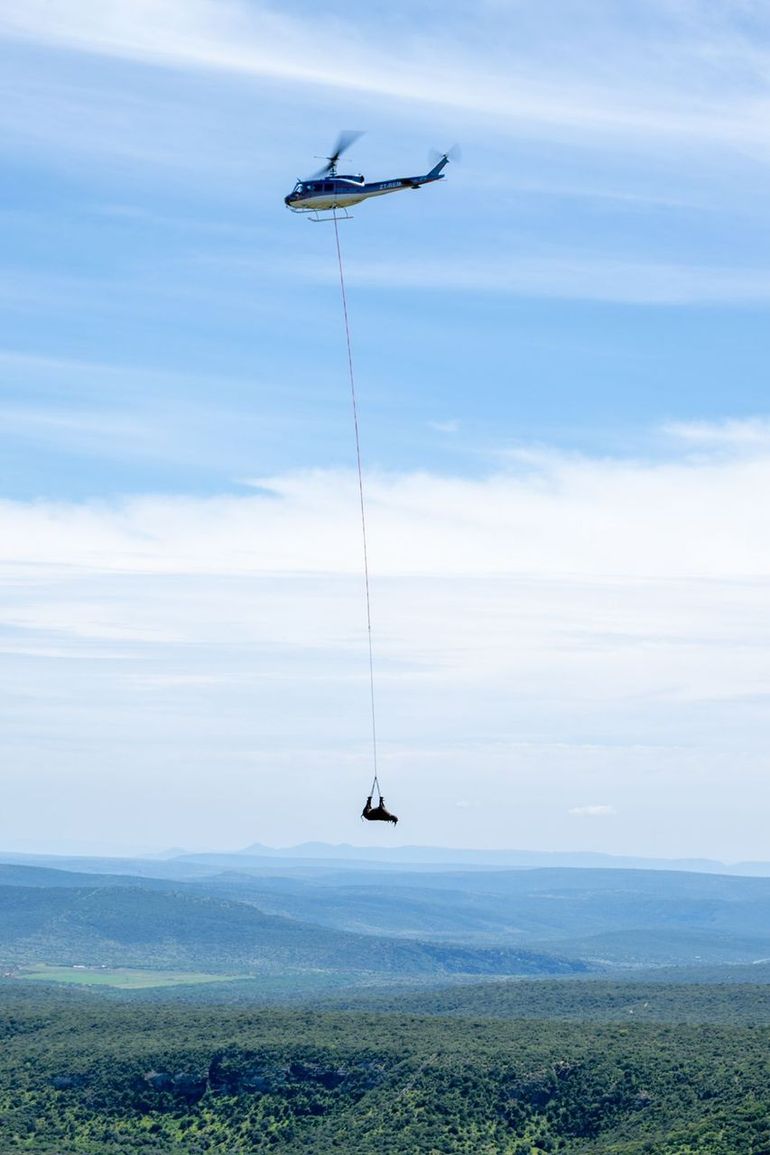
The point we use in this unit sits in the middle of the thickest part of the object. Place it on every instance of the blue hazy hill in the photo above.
(617, 917)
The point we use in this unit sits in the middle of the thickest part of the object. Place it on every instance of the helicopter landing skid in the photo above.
(335, 215)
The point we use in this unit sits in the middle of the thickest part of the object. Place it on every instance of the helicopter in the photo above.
(328, 190)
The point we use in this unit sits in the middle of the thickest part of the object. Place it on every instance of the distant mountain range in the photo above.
(245, 911)
(184, 863)
(453, 856)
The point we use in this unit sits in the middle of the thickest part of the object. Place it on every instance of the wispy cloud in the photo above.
(88, 430)
(527, 78)
(139, 415)
(592, 811)
(521, 268)
(584, 276)
(548, 513)
(560, 626)
(536, 627)
(739, 436)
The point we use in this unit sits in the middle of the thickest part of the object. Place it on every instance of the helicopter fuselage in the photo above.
(322, 194)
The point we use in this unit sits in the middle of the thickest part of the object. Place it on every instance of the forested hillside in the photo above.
(615, 917)
(598, 1000)
(81, 1075)
(619, 916)
(132, 926)
(586, 1067)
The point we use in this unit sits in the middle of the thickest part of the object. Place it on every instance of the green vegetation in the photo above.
(121, 977)
(396, 922)
(620, 917)
(596, 1000)
(146, 927)
(88, 1075)
(148, 1016)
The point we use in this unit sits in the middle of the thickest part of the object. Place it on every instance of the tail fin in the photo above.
(435, 172)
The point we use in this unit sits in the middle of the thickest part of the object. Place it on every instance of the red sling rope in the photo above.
(351, 375)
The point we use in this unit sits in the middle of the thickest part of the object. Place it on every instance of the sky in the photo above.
(561, 360)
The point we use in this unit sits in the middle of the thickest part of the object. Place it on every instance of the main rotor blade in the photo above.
(344, 142)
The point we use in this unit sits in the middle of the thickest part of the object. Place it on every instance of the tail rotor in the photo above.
(453, 153)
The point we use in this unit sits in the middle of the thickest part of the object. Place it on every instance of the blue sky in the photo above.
(561, 357)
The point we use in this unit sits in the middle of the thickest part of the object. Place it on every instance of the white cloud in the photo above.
(550, 516)
(592, 811)
(742, 436)
(709, 76)
(87, 429)
(585, 276)
(590, 589)
(562, 624)
(452, 426)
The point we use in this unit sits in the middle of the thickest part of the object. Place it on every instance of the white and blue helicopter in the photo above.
(328, 191)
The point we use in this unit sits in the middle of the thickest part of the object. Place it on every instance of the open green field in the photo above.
(127, 979)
